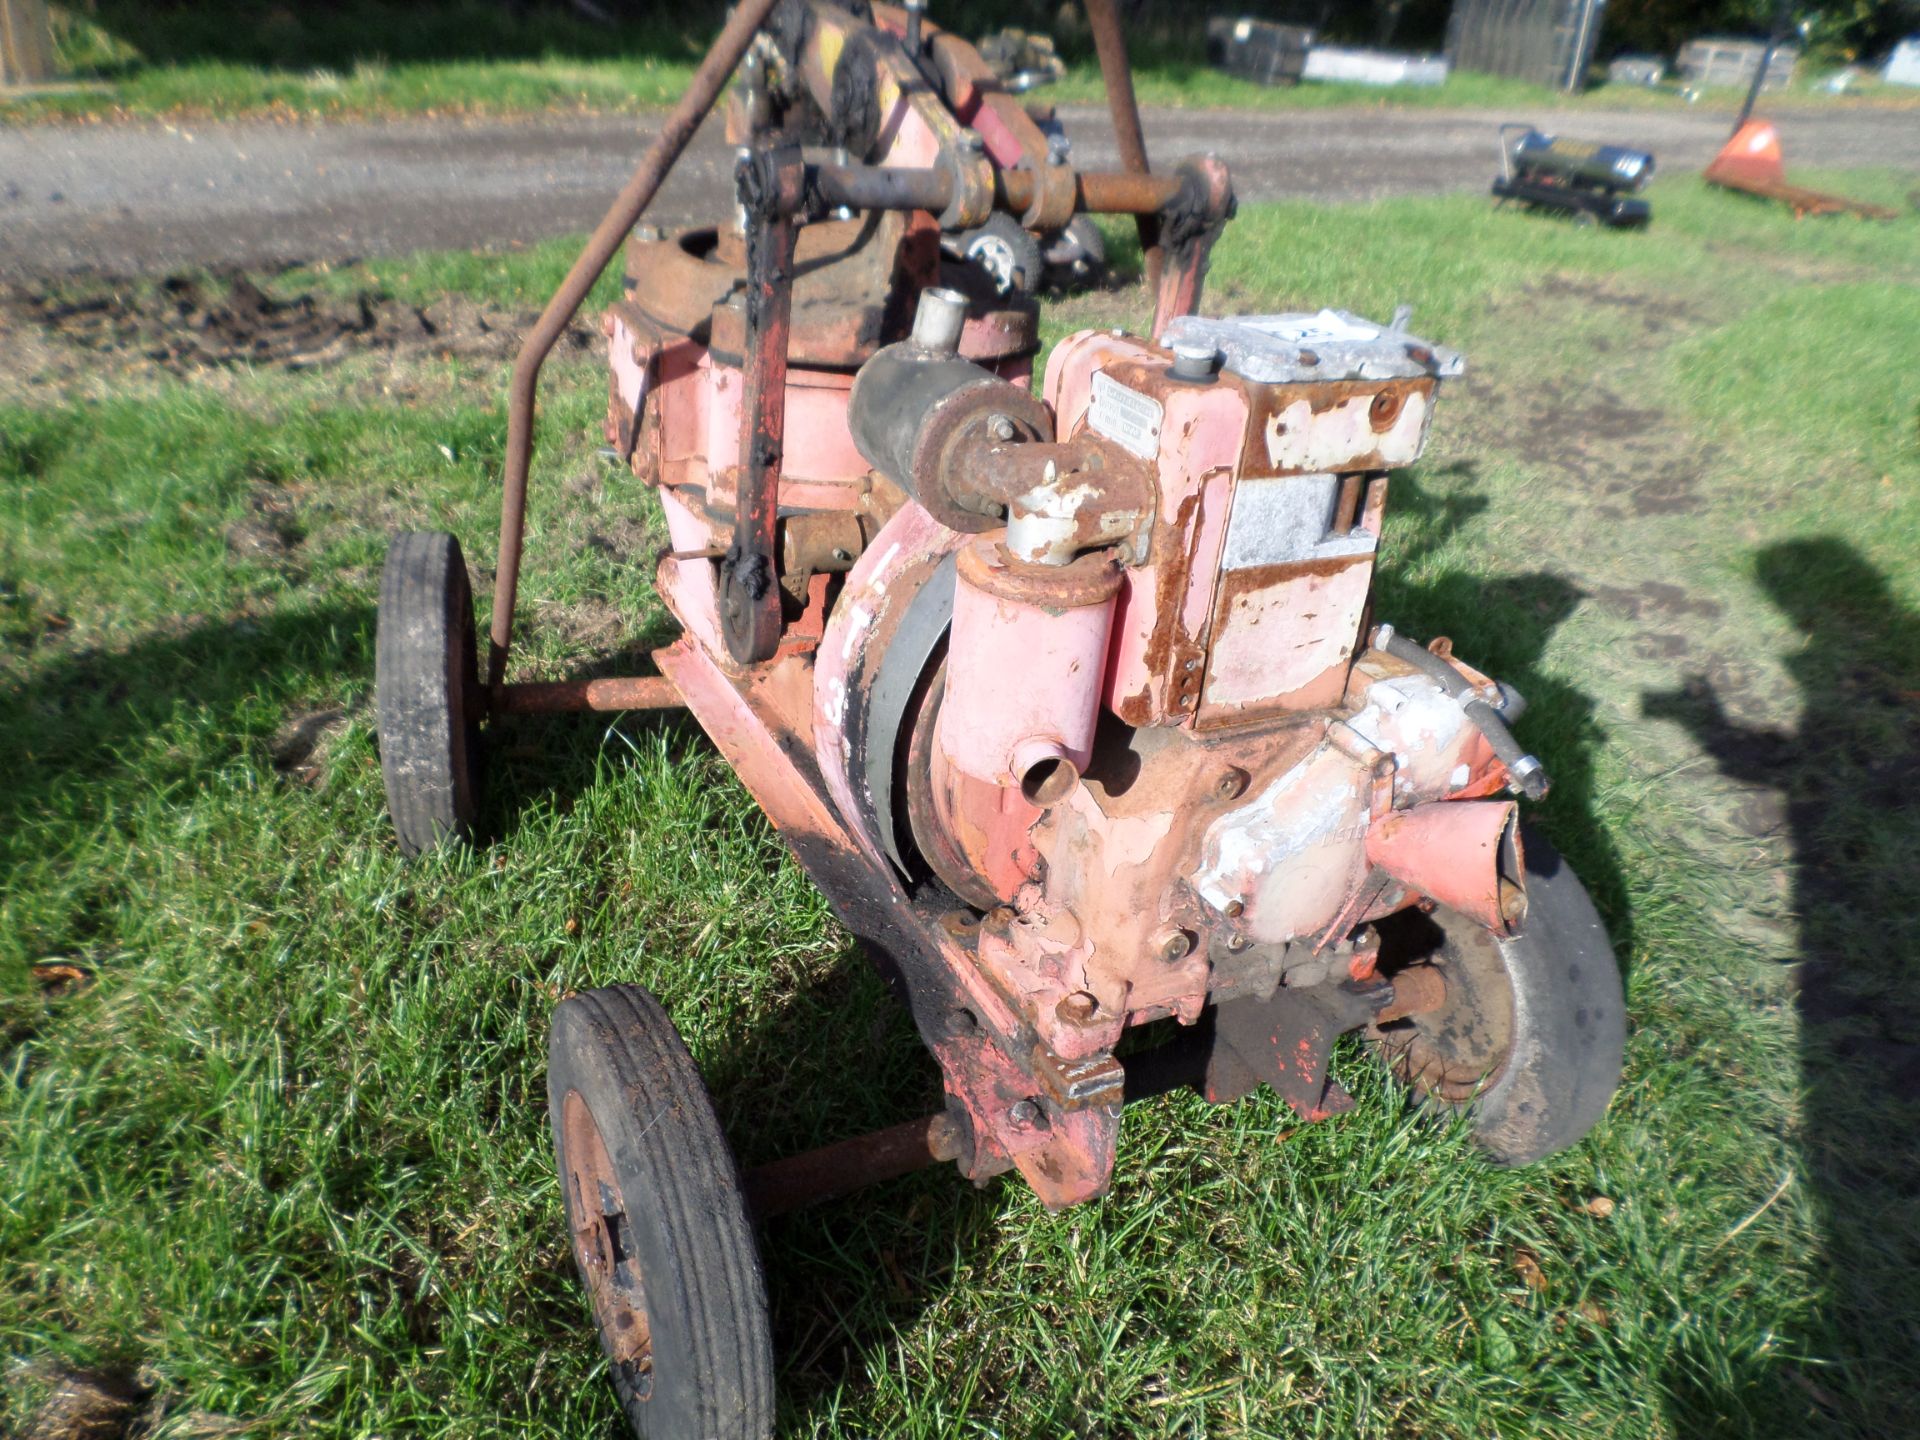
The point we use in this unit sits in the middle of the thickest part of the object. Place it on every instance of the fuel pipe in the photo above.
(1524, 771)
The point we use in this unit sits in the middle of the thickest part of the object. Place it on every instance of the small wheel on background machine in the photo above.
(658, 1222)
(1529, 1038)
(427, 689)
(1006, 252)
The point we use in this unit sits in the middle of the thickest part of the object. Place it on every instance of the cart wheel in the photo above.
(1076, 255)
(1007, 253)
(658, 1222)
(1530, 1036)
(427, 684)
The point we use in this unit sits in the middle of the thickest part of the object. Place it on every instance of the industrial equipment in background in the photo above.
(1263, 51)
(1715, 62)
(1074, 703)
(1273, 54)
(1646, 71)
(1592, 183)
(1751, 160)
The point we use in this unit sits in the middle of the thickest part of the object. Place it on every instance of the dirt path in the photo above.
(150, 198)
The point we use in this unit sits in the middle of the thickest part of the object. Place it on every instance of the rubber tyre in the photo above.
(1566, 1028)
(1076, 256)
(680, 1209)
(1006, 254)
(427, 688)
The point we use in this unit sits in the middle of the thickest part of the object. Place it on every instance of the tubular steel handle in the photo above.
(1116, 73)
(708, 81)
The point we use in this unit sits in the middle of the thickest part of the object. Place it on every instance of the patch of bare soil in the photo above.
(86, 1406)
(1656, 598)
(186, 325)
(300, 747)
(271, 530)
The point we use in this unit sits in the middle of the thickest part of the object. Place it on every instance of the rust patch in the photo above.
(1266, 403)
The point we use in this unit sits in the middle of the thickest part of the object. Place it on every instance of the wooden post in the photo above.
(26, 43)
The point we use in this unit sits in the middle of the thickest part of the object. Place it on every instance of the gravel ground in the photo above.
(127, 199)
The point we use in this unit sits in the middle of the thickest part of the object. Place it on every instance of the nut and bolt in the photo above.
(1230, 783)
(1000, 427)
(1026, 1115)
(960, 924)
(1079, 1008)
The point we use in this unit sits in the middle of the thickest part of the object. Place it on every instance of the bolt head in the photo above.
(1176, 946)
(1000, 427)
(1078, 1008)
(1024, 1115)
(1231, 783)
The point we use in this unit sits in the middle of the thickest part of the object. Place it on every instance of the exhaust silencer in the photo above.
(1465, 854)
(1026, 659)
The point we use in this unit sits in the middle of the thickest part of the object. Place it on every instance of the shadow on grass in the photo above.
(88, 730)
(1501, 625)
(1846, 780)
(89, 734)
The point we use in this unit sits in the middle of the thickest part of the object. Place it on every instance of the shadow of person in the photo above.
(1846, 778)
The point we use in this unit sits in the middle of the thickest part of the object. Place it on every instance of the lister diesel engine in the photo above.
(1080, 714)
(1150, 756)
(1071, 701)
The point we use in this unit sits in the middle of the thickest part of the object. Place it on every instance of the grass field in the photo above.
(273, 1156)
(363, 57)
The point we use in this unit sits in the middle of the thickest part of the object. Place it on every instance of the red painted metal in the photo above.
(1463, 853)
(1134, 728)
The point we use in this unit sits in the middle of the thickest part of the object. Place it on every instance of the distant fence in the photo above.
(1549, 42)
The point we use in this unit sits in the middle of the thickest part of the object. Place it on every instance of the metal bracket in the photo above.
(768, 183)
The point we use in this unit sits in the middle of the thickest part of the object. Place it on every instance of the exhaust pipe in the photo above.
(1464, 854)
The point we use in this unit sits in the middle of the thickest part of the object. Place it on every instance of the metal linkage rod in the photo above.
(708, 81)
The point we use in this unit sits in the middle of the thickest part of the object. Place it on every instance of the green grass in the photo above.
(284, 1159)
(363, 57)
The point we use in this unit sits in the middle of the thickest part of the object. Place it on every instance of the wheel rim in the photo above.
(604, 1249)
(996, 257)
(1456, 1051)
